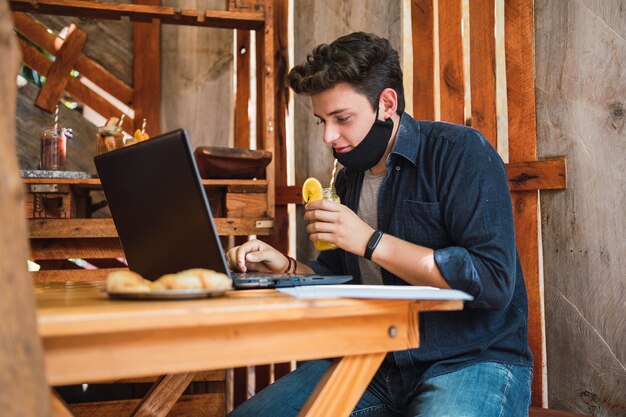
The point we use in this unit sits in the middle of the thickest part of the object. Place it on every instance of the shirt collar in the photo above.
(407, 139)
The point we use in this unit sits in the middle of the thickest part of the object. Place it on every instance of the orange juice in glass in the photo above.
(329, 194)
(312, 190)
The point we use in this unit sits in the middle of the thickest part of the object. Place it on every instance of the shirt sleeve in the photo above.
(476, 206)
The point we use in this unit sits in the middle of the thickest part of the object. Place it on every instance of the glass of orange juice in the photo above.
(312, 190)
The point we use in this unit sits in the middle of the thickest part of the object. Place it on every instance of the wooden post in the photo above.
(520, 78)
(451, 61)
(423, 18)
(147, 72)
(23, 388)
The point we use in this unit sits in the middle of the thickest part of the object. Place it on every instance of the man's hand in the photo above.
(336, 223)
(256, 255)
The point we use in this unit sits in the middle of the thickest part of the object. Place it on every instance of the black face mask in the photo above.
(367, 153)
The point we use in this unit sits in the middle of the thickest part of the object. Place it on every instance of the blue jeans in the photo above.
(481, 390)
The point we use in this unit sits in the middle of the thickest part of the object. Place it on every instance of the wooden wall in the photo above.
(332, 19)
(197, 78)
(581, 100)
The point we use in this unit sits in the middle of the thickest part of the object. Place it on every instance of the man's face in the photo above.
(347, 116)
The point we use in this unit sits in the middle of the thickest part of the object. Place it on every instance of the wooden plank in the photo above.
(543, 412)
(483, 68)
(244, 227)
(452, 86)
(246, 205)
(58, 73)
(342, 385)
(147, 72)
(37, 61)
(423, 18)
(59, 407)
(291, 194)
(142, 13)
(73, 275)
(71, 228)
(246, 5)
(520, 73)
(94, 183)
(23, 385)
(267, 121)
(581, 114)
(280, 238)
(547, 174)
(202, 376)
(97, 248)
(163, 395)
(242, 98)
(197, 405)
(95, 72)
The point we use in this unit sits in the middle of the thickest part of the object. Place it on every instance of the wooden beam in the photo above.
(345, 377)
(23, 384)
(59, 71)
(242, 98)
(451, 61)
(142, 13)
(483, 68)
(163, 395)
(423, 18)
(37, 61)
(548, 174)
(73, 275)
(71, 228)
(147, 72)
(59, 407)
(520, 74)
(50, 43)
(197, 405)
(280, 238)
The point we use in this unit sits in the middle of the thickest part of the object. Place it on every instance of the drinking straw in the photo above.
(143, 126)
(332, 175)
(119, 124)
(56, 117)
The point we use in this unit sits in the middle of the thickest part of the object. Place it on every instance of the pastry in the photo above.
(127, 281)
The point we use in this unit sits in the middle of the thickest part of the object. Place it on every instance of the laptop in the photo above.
(162, 215)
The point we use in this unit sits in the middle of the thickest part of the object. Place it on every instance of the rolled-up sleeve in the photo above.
(476, 205)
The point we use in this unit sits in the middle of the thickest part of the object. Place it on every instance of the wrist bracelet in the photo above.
(372, 243)
(291, 263)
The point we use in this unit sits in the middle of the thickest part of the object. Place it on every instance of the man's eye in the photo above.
(319, 121)
(343, 119)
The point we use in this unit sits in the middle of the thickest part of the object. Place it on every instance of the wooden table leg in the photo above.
(342, 386)
(59, 407)
(163, 395)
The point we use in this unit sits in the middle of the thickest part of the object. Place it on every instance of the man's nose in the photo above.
(330, 135)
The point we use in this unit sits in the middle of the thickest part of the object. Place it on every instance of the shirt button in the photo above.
(397, 168)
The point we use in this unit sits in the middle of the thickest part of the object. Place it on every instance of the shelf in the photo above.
(143, 13)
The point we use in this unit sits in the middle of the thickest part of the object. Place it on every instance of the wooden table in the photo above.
(90, 338)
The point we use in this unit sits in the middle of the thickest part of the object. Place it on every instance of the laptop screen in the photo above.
(159, 207)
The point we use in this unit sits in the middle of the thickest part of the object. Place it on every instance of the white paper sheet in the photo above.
(395, 292)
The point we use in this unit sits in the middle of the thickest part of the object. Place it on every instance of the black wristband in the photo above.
(372, 243)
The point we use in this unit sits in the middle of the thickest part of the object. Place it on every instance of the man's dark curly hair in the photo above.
(363, 60)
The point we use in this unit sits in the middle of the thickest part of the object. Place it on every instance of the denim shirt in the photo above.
(447, 189)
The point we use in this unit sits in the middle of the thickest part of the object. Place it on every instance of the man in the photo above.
(423, 203)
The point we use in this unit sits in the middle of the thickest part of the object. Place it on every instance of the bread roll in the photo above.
(127, 281)
(181, 281)
(211, 280)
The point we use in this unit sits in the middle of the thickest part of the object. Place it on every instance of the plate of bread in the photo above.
(188, 284)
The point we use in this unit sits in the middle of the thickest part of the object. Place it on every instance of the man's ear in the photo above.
(388, 103)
